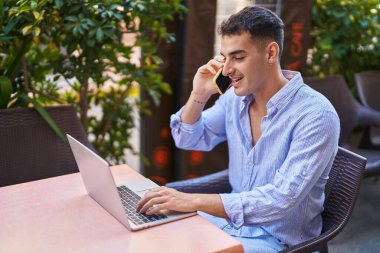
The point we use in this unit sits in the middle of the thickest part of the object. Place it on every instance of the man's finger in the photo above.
(211, 69)
(147, 197)
(155, 189)
(145, 207)
(156, 208)
(151, 203)
(219, 58)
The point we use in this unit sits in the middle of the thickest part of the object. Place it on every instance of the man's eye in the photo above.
(239, 58)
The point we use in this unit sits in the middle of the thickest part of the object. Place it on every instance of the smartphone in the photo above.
(221, 82)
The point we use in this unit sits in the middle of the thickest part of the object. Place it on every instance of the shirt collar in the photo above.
(246, 101)
(283, 95)
(286, 93)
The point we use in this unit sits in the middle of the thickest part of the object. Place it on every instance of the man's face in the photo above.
(245, 63)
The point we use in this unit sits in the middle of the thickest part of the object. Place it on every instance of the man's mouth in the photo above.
(235, 80)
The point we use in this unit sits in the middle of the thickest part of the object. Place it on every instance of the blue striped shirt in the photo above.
(277, 184)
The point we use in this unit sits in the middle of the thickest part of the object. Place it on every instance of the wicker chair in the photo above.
(341, 191)
(352, 114)
(30, 150)
(368, 86)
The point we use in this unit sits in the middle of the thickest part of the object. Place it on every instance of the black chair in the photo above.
(341, 191)
(368, 86)
(351, 113)
(30, 150)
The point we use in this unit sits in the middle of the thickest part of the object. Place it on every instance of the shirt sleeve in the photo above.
(311, 153)
(204, 134)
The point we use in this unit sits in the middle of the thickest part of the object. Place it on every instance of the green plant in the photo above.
(13, 66)
(81, 44)
(346, 37)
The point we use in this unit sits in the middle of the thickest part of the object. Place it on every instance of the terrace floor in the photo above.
(362, 232)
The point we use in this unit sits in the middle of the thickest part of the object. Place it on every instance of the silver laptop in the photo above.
(120, 201)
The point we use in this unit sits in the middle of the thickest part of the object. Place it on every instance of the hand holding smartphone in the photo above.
(221, 82)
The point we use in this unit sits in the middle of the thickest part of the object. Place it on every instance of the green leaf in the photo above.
(45, 115)
(99, 35)
(56, 77)
(33, 5)
(58, 3)
(157, 60)
(91, 33)
(11, 23)
(165, 87)
(1, 11)
(36, 31)
(76, 31)
(5, 38)
(90, 22)
(91, 43)
(170, 37)
(24, 9)
(26, 29)
(36, 15)
(80, 29)
(71, 18)
(5, 91)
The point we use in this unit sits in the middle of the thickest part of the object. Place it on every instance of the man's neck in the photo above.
(272, 86)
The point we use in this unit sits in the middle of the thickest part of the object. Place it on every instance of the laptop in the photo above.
(120, 201)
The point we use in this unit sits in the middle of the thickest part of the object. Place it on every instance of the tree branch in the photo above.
(108, 123)
(25, 74)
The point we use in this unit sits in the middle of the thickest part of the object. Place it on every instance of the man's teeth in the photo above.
(237, 80)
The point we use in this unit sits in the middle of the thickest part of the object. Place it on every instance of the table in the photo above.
(57, 215)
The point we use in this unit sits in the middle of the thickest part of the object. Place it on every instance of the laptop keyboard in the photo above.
(129, 200)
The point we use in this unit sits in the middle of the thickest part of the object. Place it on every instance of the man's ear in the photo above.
(272, 51)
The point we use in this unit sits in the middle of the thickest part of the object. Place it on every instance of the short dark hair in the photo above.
(261, 23)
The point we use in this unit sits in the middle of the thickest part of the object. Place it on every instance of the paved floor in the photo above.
(362, 232)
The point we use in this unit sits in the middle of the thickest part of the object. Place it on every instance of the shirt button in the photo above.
(250, 164)
(304, 173)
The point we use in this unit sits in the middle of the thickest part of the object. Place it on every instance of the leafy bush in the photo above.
(81, 43)
(346, 37)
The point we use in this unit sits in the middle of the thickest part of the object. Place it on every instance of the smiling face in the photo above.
(245, 63)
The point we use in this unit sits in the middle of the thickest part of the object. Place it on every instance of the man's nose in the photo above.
(227, 68)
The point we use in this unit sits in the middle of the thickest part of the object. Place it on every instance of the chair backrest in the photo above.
(368, 85)
(30, 150)
(335, 89)
(341, 191)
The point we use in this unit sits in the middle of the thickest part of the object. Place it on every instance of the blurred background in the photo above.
(128, 65)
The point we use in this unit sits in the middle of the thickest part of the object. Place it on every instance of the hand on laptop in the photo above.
(164, 198)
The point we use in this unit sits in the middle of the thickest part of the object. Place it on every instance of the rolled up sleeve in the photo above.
(204, 134)
(233, 206)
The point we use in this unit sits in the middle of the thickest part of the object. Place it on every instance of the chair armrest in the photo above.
(213, 183)
(368, 116)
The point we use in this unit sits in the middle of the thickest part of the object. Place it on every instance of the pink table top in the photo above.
(56, 215)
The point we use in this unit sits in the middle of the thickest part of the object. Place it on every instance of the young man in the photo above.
(282, 138)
